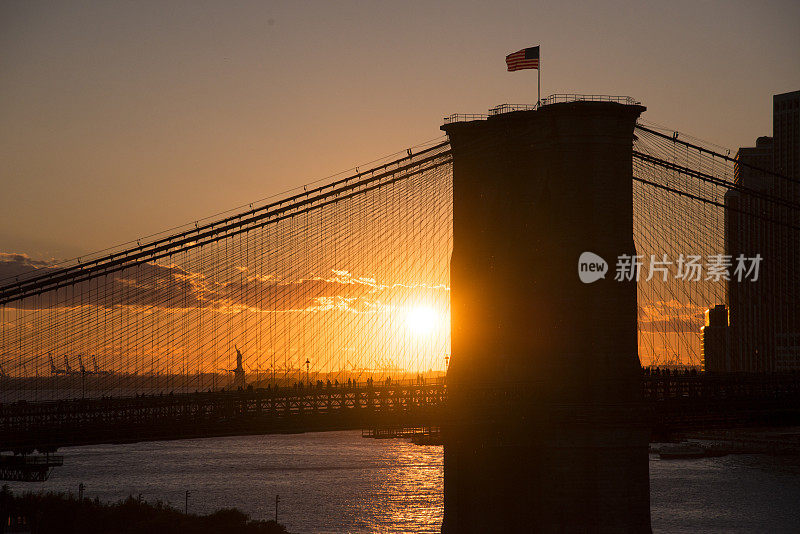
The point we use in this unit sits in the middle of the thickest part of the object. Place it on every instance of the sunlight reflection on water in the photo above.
(327, 482)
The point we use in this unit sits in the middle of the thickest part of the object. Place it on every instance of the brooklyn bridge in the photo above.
(436, 289)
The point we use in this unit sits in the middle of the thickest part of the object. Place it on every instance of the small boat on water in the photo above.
(426, 439)
(682, 451)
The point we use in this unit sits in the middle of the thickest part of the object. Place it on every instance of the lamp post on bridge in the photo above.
(308, 372)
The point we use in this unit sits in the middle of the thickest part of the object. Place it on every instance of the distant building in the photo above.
(764, 318)
(786, 161)
(715, 344)
(786, 132)
(749, 235)
(755, 158)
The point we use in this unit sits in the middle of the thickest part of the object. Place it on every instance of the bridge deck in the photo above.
(673, 402)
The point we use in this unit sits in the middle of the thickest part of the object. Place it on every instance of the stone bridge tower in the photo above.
(545, 429)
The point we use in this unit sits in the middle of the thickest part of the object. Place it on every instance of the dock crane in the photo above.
(97, 370)
(55, 371)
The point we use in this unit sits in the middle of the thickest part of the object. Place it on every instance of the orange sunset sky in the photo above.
(121, 119)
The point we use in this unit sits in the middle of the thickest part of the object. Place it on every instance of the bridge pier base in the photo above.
(559, 476)
(545, 429)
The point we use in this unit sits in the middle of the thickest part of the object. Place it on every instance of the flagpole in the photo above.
(539, 81)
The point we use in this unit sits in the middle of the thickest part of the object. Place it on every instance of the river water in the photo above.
(341, 482)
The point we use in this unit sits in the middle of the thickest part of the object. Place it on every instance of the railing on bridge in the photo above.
(573, 97)
(465, 117)
(49, 425)
(673, 402)
(552, 99)
(510, 108)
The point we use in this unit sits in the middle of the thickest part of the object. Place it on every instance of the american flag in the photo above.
(527, 58)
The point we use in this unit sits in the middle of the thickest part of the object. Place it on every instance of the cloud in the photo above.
(341, 290)
(16, 265)
(157, 286)
(671, 316)
(671, 326)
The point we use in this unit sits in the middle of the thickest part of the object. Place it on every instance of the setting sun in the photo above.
(421, 319)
